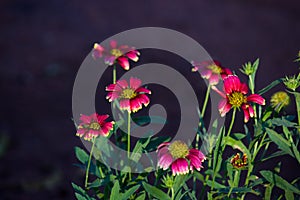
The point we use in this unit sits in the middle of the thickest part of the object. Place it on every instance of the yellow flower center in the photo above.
(280, 99)
(116, 52)
(236, 99)
(215, 69)
(95, 126)
(178, 149)
(128, 93)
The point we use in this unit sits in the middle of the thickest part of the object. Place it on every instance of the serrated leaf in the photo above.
(278, 181)
(155, 192)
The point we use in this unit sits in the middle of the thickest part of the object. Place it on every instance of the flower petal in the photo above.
(133, 55)
(231, 84)
(214, 79)
(256, 98)
(125, 105)
(224, 107)
(123, 62)
(135, 83)
(113, 44)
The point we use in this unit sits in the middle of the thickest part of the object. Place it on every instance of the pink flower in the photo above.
(179, 157)
(94, 125)
(211, 70)
(116, 54)
(131, 96)
(235, 97)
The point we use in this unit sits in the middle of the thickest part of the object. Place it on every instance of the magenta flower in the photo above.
(179, 157)
(235, 97)
(211, 70)
(94, 125)
(116, 54)
(131, 96)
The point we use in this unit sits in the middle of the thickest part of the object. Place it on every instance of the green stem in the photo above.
(297, 99)
(128, 135)
(173, 194)
(252, 92)
(205, 100)
(89, 164)
(114, 74)
(232, 122)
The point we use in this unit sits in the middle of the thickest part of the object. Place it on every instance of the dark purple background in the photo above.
(42, 44)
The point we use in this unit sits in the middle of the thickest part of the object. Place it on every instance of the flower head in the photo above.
(116, 54)
(249, 68)
(292, 82)
(279, 100)
(179, 157)
(211, 70)
(235, 97)
(131, 96)
(239, 162)
(94, 125)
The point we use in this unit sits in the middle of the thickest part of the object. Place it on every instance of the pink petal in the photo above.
(143, 90)
(122, 83)
(135, 83)
(206, 73)
(135, 104)
(143, 99)
(113, 44)
(109, 60)
(102, 118)
(246, 114)
(123, 62)
(214, 79)
(180, 166)
(231, 84)
(125, 105)
(165, 161)
(162, 145)
(225, 73)
(133, 55)
(218, 91)
(256, 99)
(243, 88)
(224, 107)
(85, 119)
(111, 96)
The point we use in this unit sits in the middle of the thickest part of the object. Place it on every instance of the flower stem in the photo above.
(89, 164)
(128, 135)
(114, 74)
(297, 99)
(232, 122)
(173, 193)
(252, 92)
(206, 100)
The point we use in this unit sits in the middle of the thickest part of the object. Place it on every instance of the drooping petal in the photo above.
(109, 60)
(144, 99)
(214, 79)
(256, 98)
(251, 111)
(224, 107)
(123, 62)
(135, 83)
(165, 161)
(125, 104)
(135, 104)
(111, 96)
(206, 73)
(218, 91)
(180, 166)
(246, 113)
(97, 51)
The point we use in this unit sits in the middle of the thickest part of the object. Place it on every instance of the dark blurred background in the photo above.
(42, 44)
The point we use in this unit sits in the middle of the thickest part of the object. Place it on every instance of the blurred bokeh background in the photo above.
(42, 44)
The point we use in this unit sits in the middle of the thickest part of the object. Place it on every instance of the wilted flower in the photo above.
(238, 162)
(211, 70)
(178, 155)
(235, 97)
(116, 54)
(292, 82)
(279, 100)
(131, 96)
(94, 125)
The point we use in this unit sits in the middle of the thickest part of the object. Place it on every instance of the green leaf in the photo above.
(278, 181)
(138, 149)
(80, 197)
(81, 155)
(179, 181)
(289, 195)
(282, 143)
(236, 144)
(270, 86)
(268, 191)
(141, 197)
(282, 122)
(115, 192)
(155, 192)
(239, 136)
(296, 152)
(80, 193)
(215, 184)
(198, 176)
(129, 192)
